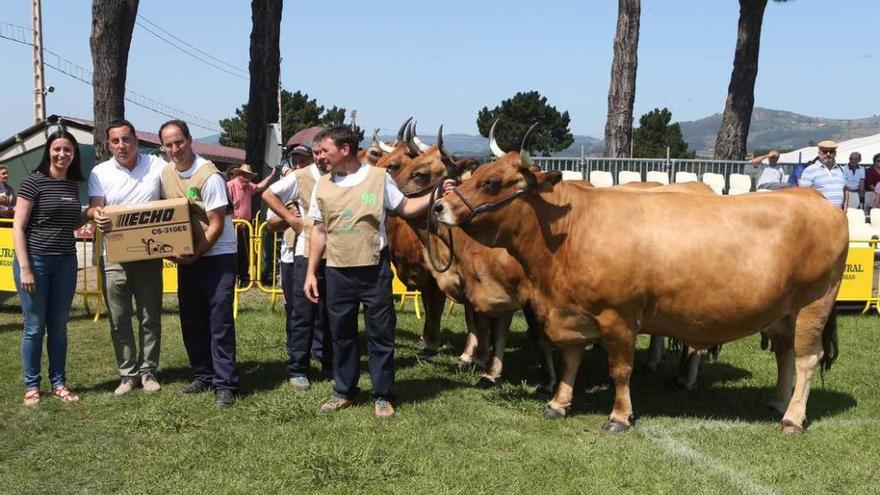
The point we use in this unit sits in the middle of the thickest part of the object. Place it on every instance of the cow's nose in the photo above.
(438, 209)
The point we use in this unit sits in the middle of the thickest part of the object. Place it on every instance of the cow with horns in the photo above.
(609, 264)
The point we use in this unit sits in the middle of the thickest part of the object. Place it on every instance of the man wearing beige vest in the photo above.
(348, 210)
(205, 279)
(306, 322)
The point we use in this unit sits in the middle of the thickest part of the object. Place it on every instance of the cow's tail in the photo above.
(830, 348)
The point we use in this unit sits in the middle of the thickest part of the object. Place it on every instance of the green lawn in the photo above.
(448, 436)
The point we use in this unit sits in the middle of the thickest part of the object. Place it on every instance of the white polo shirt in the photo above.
(828, 182)
(287, 190)
(118, 186)
(392, 197)
(214, 196)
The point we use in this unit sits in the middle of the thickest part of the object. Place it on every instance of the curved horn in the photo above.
(402, 129)
(525, 157)
(387, 148)
(493, 145)
(415, 137)
(443, 151)
(408, 137)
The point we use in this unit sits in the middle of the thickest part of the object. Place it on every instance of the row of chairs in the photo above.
(861, 227)
(739, 183)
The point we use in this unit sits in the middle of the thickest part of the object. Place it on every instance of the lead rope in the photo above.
(434, 194)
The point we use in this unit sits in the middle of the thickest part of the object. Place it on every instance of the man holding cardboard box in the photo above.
(206, 278)
(129, 178)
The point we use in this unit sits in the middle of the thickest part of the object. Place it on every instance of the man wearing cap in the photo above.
(825, 175)
(241, 192)
(129, 178)
(771, 174)
(288, 202)
(855, 176)
(348, 208)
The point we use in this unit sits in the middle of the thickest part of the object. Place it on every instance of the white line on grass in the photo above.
(683, 451)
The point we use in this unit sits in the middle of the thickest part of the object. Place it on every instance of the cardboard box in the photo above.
(157, 229)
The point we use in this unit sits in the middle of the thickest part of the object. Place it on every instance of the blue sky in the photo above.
(443, 61)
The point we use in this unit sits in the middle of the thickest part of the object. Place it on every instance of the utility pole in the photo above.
(39, 81)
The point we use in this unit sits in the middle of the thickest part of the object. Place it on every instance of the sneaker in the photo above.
(126, 385)
(196, 387)
(224, 398)
(384, 409)
(149, 383)
(335, 404)
(300, 383)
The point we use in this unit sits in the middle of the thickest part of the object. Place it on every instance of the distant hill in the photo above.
(780, 130)
(212, 139)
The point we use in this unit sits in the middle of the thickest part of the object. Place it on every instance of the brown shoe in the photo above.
(384, 409)
(149, 383)
(335, 404)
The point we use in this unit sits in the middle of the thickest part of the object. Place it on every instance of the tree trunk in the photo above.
(112, 24)
(731, 141)
(622, 91)
(265, 66)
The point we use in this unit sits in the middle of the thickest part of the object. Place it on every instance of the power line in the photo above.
(160, 28)
(207, 62)
(18, 34)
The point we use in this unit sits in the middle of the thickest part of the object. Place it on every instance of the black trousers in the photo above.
(347, 289)
(205, 292)
(307, 326)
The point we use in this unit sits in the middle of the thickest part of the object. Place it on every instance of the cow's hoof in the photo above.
(790, 428)
(485, 382)
(552, 413)
(612, 426)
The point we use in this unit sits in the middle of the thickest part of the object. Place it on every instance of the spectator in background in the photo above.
(855, 177)
(241, 192)
(825, 175)
(44, 269)
(872, 177)
(771, 174)
(7, 194)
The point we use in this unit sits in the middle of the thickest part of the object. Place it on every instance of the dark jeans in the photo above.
(205, 292)
(347, 288)
(307, 328)
(244, 247)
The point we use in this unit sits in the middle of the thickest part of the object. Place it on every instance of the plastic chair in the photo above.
(657, 176)
(601, 178)
(627, 176)
(572, 175)
(685, 177)
(715, 181)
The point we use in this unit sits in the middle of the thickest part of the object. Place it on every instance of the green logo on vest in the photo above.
(193, 194)
(346, 226)
(368, 198)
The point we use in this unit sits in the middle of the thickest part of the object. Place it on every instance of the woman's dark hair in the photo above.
(74, 171)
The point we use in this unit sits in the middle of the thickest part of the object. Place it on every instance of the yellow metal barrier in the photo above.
(7, 256)
(252, 247)
(398, 288)
(273, 291)
(858, 278)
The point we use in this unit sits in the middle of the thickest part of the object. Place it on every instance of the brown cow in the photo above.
(491, 282)
(406, 250)
(610, 264)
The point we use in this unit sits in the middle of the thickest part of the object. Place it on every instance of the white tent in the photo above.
(868, 146)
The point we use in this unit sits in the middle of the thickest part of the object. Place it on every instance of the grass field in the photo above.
(448, 436)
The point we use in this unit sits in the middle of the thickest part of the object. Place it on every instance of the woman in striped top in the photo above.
(47, 212)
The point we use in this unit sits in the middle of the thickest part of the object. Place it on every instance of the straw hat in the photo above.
(831, 145)
(244, 169)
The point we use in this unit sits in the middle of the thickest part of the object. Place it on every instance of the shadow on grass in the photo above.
(418, 390)
(654, 394)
